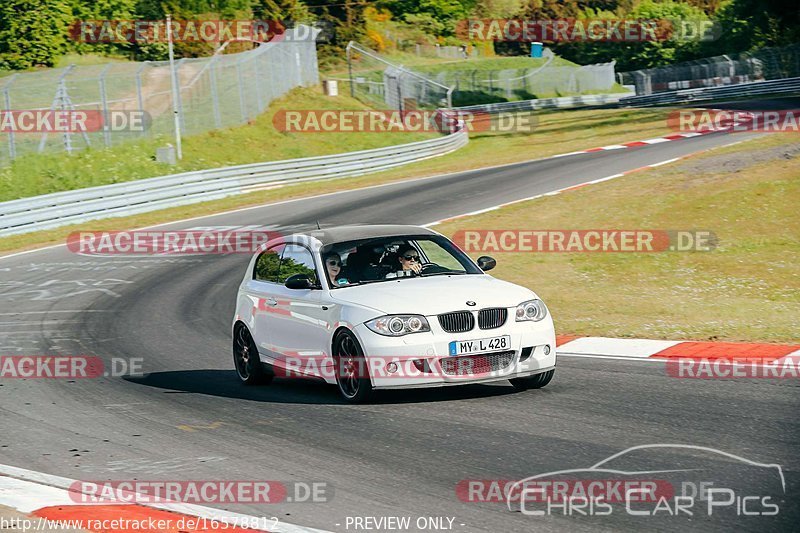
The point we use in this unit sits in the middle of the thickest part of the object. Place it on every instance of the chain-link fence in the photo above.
(381, 82)
(479, 86)
(376, 79)
(216, 92)
(764, 64)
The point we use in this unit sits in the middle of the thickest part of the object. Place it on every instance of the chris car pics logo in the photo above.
(681, 481)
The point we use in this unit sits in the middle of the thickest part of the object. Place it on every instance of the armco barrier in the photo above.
(563, 102)
(787, 86)
(62, 208)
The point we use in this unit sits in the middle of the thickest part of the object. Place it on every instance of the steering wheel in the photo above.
(426, 265)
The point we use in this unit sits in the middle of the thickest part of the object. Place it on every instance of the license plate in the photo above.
(492, 344)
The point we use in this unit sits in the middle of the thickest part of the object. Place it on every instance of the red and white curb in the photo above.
(610, 348)
(673, 137)
(48, 497)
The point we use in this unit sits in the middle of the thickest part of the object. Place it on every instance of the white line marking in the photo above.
(618, 357)
(600, 180)
(668, 161)
(558, 191)
(615, 146)
(57, 311)
(38, 332)
(38, 322)
(618, 347)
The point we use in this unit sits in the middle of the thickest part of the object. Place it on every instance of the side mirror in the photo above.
(486, 263)
(299, 281)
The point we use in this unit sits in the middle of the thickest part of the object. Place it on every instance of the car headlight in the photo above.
(398, 325)
(533, 310)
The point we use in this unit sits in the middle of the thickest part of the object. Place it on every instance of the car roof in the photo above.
(339, 234)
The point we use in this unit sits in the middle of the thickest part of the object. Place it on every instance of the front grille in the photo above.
(468, 365)
(457, 322)
(492, 318)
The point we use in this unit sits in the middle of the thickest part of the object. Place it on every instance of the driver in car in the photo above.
(410, 265)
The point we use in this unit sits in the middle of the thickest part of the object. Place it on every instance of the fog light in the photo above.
(547, 349)
(392, 368)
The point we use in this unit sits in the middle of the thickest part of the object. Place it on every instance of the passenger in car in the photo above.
(408, 258)
(333, 266)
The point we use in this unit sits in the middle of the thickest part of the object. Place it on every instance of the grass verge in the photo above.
(748, 289)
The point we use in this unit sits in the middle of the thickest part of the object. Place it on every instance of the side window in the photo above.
(440, 256)
(267, 264)
(297, 260)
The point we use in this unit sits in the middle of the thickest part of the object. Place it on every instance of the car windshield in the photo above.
(392, 258)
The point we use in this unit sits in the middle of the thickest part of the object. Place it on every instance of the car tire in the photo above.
(352, 377)
(537, 381)
(246, 360)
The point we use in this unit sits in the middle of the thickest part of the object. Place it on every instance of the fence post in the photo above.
(12, 147)
(242, 106)
(104, 104)
(400, 89)
(212, 76)
(179, 94)
(61, 97)
(139, 96)
(259, 95)
(298, 67)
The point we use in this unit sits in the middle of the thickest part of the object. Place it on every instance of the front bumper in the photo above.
(418, 356)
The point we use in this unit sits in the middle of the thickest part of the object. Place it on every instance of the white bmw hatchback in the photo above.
(386, 307)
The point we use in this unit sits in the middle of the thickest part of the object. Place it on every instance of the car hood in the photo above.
(434, 295)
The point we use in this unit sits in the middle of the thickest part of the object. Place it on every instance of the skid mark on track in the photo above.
(153, 466)
(189, 427)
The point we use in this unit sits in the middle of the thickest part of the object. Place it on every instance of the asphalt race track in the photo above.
(190, 419)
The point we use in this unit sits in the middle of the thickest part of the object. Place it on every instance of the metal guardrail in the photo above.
(563, 102)
(62, 208)
(785, 86)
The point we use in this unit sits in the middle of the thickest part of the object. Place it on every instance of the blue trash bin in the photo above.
(536, 49)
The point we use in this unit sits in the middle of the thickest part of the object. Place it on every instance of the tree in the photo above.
(447, 13)
(32, 32)
(676, 19)
(749, 24)
(90, 10)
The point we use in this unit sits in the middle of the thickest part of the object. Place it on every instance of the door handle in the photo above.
(272, 301)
